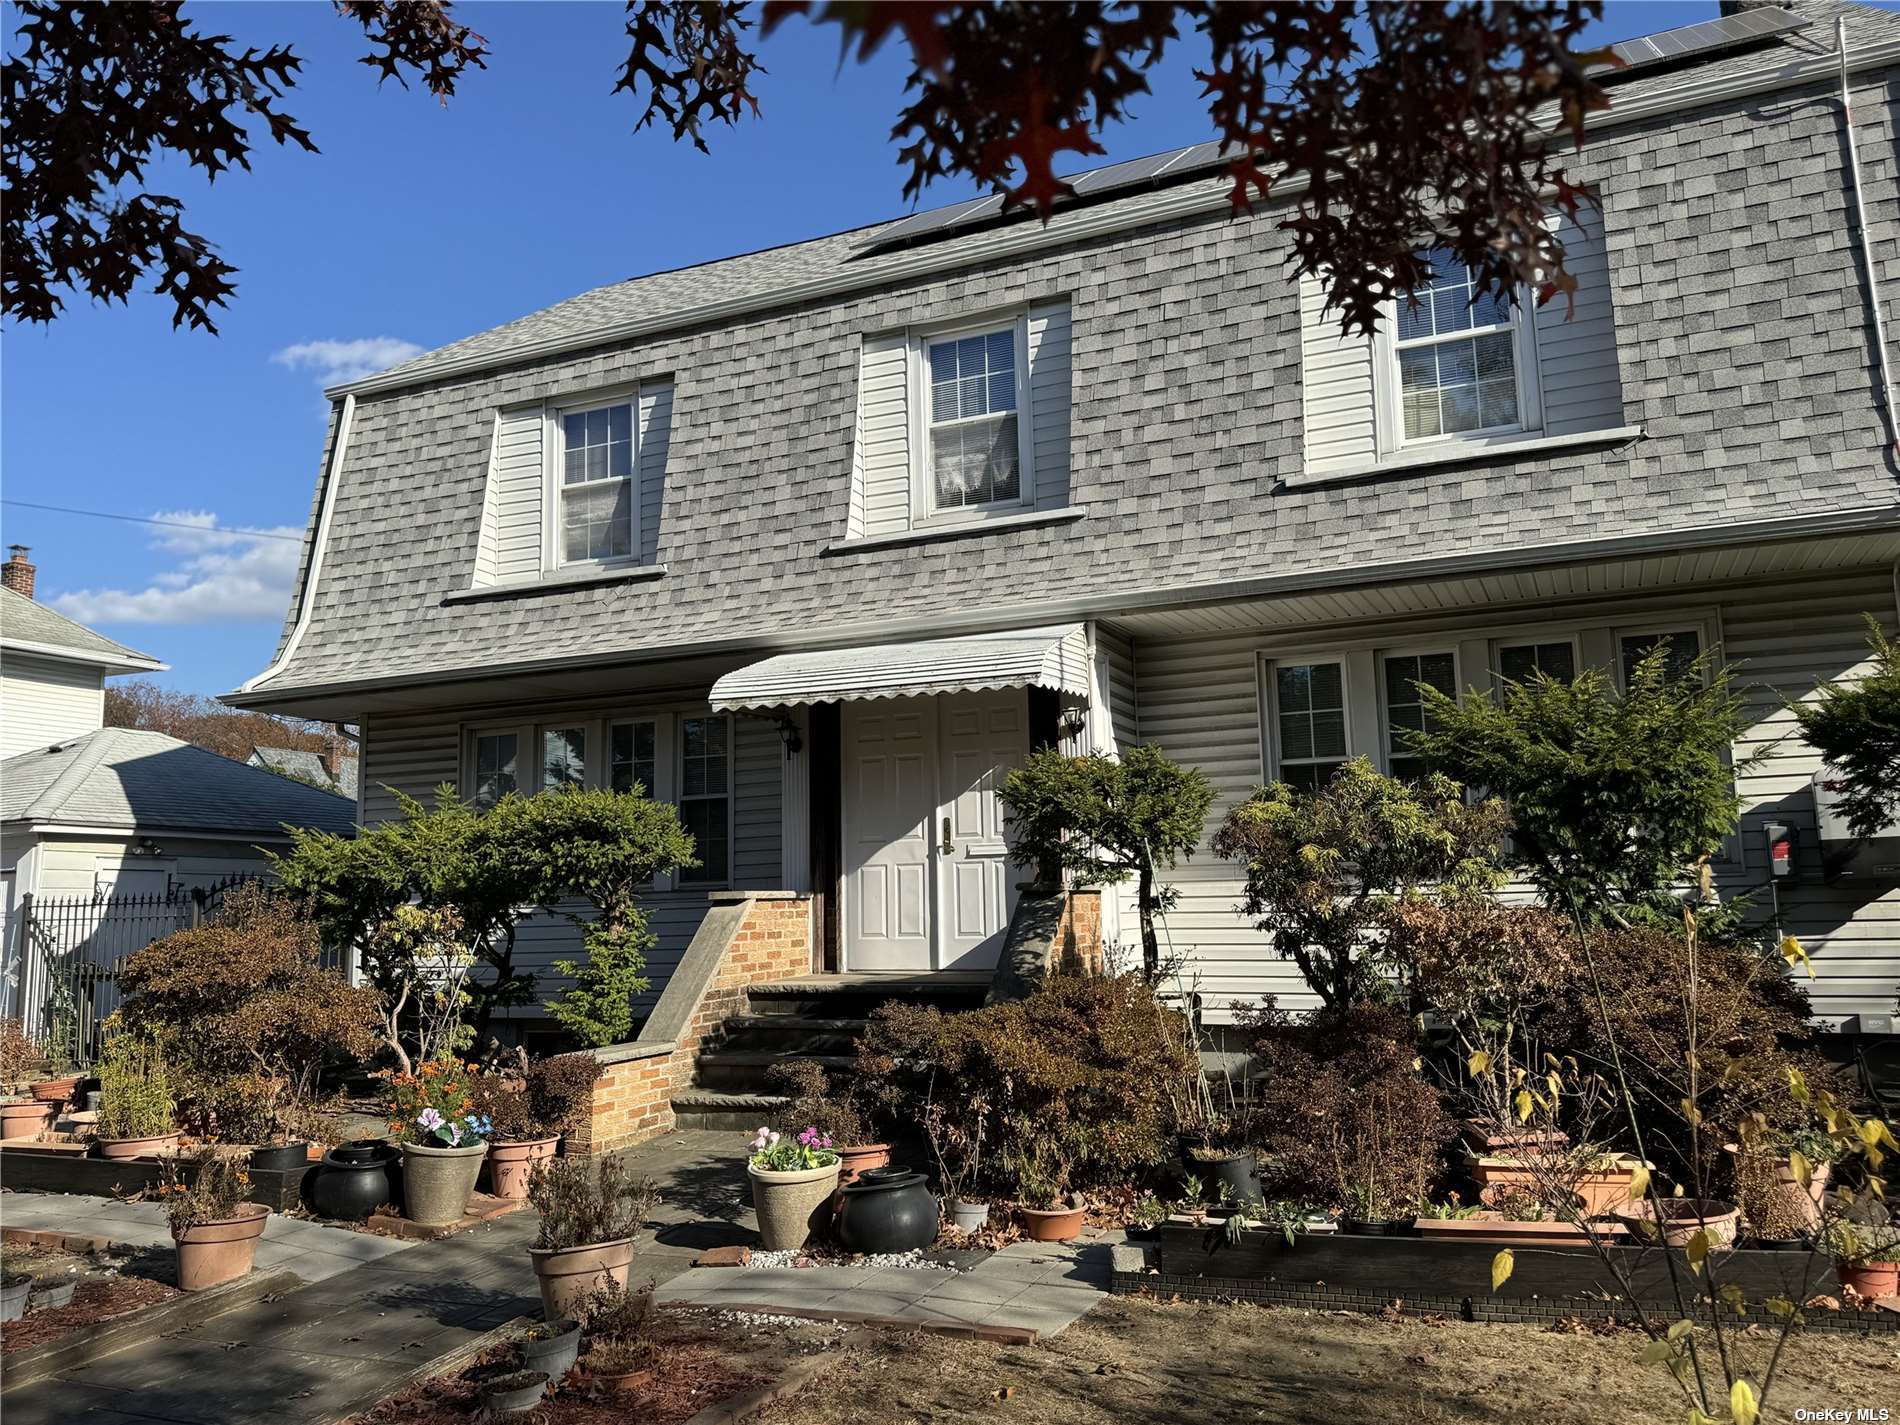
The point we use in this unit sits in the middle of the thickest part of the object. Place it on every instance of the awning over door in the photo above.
(1055, 657)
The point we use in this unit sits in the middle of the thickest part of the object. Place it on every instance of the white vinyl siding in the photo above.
(1198, 701)
(46, 700)
(1336, 392)
(892, 491)
(1576, 349)
(520, 539)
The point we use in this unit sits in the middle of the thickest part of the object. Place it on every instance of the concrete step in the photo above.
(856, 996)
(722, 1112)
(791, 1036)
(743, 1071)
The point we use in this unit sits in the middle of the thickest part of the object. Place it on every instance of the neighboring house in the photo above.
(333, 770)
(52, 671)
(818, 541)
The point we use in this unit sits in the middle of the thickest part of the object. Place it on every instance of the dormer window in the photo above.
(975, 437)
(596, 464)
(1459, 359)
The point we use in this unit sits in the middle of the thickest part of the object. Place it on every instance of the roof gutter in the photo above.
(125, 663)
(1076, 227)
(1857, 186)
(1075, 610)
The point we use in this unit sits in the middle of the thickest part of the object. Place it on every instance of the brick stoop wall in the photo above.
(1076, 947)
(747, 938)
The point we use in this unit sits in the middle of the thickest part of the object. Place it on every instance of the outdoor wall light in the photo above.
(788, 734)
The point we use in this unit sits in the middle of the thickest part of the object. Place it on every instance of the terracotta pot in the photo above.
(161, 1145)
(861, 1158)
(792, 1207)
(511, 1164)
(1870, 1279)
(210, 1253)
(1601, 1190)
(437, 1182)
(1490, 1228)
(1062, 1224)
(56, 1091)
(27, 1119)
(627, 1382)
(1486, 1138)
(1682, 1218)
(568, 1274)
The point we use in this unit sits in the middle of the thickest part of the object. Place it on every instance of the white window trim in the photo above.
(469, 783)
(923, 486)
(554, 444)
(1407, 650)
(677, 758)
(1388, 405)
(1270, 703)
(1495, 665)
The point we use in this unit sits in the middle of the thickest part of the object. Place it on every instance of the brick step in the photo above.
(722, 1112)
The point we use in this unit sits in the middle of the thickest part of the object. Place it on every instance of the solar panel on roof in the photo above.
(1704, 37)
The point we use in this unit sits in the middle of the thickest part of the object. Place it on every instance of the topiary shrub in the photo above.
(1077, 1081)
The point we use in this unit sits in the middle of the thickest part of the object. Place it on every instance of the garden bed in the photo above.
(1338, 1271)
(54, 1166)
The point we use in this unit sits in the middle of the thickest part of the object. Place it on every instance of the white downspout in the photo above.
(332, 477)
(1866, 242)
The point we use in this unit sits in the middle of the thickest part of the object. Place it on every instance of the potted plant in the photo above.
(1866, 1256)
(812, 1102)
(1216, 1140)
(957, 1144)
(1777, 1206)
(135, 1102)
(617, 1325)
(793, 1180)
(15, 1288)
(1679, 1219)
(518, 1141)
(1515, 1217)
(443, 1140)
(60, 1075)
(216, 1229)
(551, 1347)
(22, 1062)
(589, 1216)
(24, 1118)
(1050, 1212)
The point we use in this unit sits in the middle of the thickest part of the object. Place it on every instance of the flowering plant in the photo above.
(435, 1107)
(775, 1153)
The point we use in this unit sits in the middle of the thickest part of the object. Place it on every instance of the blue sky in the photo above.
(418, 224)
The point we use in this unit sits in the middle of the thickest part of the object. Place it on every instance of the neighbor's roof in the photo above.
(714, 289)
(29, 626)
(298, 762)
(120, 776)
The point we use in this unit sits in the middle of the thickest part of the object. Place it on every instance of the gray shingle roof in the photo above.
(120, 776)
(308, 766)
(23, 620)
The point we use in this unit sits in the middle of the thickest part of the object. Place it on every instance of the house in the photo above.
(52, 671)
(332, 769)
(817, 542)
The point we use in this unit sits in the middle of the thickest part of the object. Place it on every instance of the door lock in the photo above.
(948, 844)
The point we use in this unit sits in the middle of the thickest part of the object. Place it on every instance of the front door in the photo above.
(928, 883)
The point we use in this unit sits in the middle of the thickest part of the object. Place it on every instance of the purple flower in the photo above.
(430, 1119)
(455, 1135)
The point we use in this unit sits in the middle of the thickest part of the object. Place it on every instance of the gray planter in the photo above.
(13, 1297)
(516, 1394)
(437, 1182)
(969, 1216)
(554, 1354)
(48, 1297)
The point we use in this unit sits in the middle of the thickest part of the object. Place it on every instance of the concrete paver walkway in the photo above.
(1042, 1287)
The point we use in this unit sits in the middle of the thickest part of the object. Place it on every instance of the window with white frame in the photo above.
(496, 759)
(1405, 707)
(596, 484)
(1309, 721)
(1553, 658)
(563, 757)
(1459, 358)
(633, 756)
(705, 796)
(972, 413)
(1684, 645)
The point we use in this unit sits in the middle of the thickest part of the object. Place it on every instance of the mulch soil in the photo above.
(109, 1286)
(695, 1367)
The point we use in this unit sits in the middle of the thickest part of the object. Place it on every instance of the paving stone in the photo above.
(723, 1257)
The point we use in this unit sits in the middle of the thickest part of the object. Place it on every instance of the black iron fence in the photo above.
(65, 954)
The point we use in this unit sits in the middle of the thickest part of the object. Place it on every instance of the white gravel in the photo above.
(913, 1260)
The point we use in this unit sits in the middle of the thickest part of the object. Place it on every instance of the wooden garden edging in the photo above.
(67, 1167)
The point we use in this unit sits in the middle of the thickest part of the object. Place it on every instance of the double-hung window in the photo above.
(705, 796)
(633, 756)
(972, 405)
(1460, 359)
(1683, 646)
(1309, 721)
(1406, 709)
(563, 757)
(496, 763)
(1553, 658)
(595, 484)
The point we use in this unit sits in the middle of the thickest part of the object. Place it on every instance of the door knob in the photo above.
(948, 844)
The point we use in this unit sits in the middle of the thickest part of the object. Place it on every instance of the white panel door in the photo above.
(890, 797)
(983, 736)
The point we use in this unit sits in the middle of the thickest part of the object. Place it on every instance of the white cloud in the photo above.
(338, 361)
(219, 574)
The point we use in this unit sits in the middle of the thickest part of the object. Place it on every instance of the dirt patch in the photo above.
(107, 1286)
(1134, 1362)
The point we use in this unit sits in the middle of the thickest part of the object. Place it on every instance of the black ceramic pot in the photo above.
(353, 1180)
(287, 1158)
(1240, 1175)
(1780, 1244)
(1375, 1227)
(887, 1210)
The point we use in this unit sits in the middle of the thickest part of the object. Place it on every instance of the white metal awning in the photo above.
(1055, 657)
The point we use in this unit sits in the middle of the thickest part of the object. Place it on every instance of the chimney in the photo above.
(16, 573)
(333, 753)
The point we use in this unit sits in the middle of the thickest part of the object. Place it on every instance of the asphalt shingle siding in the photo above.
(1744, 346)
